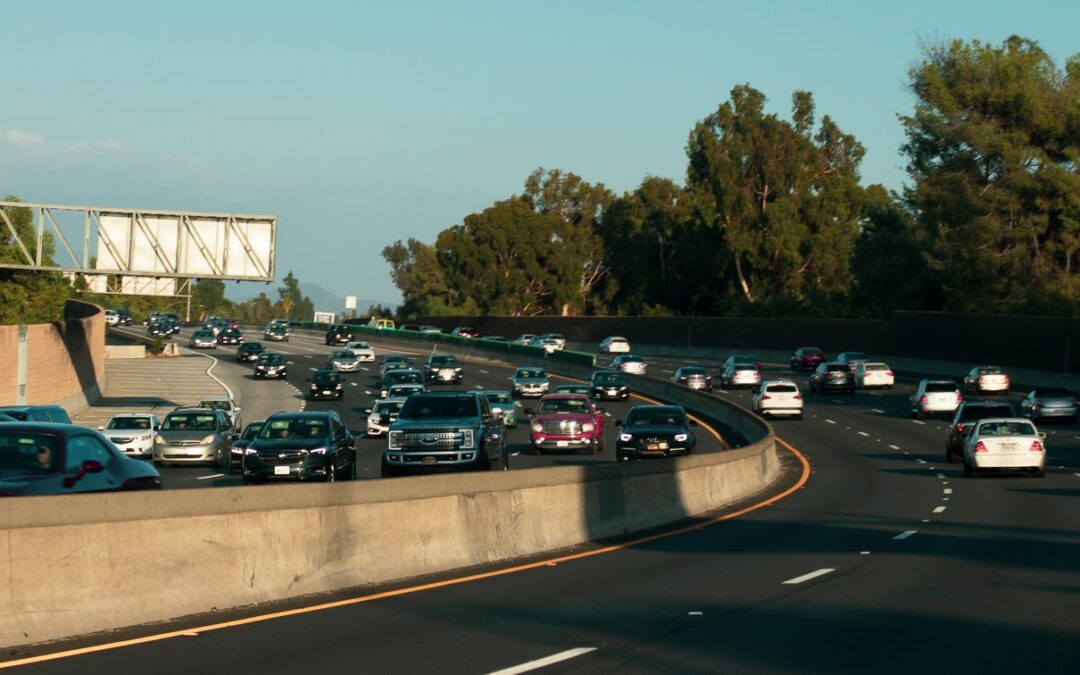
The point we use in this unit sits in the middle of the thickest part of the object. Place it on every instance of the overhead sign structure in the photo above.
(164, 245)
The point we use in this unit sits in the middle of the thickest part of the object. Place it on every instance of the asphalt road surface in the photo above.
(888, 560)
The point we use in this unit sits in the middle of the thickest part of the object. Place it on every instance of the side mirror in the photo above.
(101, 427)
(1042, 434)
(618, 423)
(157, 427)
(92, 466)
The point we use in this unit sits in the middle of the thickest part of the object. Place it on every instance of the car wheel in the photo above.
(506, 460)
(1071, 420)
(158, 464)
(538, 451)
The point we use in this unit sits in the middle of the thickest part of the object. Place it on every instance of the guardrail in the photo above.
(175, 553)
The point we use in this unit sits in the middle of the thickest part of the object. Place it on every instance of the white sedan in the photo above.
(631, 364)
(1005, 443)
(615, 345)
(874, 375)
(778, 397)
(364, 352)
(132, 433)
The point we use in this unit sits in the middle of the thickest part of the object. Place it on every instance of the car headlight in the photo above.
(588, 427)
(681, 438)
(340, 385)
(373, 419)
(208, 439)
(538, 427)
(250, 452)
(317, 451)
(625, 438)
(467, 438)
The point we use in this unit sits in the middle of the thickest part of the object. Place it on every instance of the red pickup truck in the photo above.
(567, 422)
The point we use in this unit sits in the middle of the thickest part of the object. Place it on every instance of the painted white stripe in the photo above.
(876, 410)
(291, 363)
(863, 433)
(920, 460)
(544, 662)
(864, 552)
(213, 475)
(353, 384)
(830, 421)
(368, 392)
(482, 371)
(948, 491)
(919, 422)
(695, 613)
(941, 475)
(365, 369)
(904, 535)
(894, 447)
(939, 509)
(811, 575)
(1077, 475)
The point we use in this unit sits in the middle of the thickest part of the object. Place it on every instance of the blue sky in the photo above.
(359, 123)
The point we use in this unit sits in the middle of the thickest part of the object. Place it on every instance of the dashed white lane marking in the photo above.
(904, 535)
(544, 662)
(925, 520)
(309, 356)
(368, 392)
(863, 433)
(314, 368)
(920, 460)
(939, 509)
(894, 447)
(810, 575)
(213, 475)
(515, 454)
(353, 384)
(878, 411)
(482, 371)
(695, 613)
(948, 491)
(607, 414)
(864, 552)
(830, 421)
(1077, 475)
(365, 369)
(919, 422)
(291, 363)
(941, 475)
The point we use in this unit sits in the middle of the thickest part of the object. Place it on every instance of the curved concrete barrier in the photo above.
(80, 564)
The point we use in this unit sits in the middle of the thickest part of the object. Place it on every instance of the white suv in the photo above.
(615, 345)
(778, 397)
(935, 397)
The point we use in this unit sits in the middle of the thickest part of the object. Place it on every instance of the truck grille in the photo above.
(562, 427)
(431, 440)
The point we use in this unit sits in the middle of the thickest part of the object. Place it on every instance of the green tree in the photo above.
(208, 298)
(28, 296)
(779, 202)
(292, 303)
(993, 147)
(416, 272)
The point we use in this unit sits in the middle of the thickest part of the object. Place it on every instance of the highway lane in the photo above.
(892, 562)
(305, 353)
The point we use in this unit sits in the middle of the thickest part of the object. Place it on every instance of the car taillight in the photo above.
(682, 379)
(924, 399)
(889, 373)
(959, 398)
(960, 426)
(798, 397)
(765, 397)
(980, 447)
(1036, 446)
(1038, 404)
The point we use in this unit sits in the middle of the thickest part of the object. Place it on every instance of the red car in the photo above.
(567, 422)
(807, 358)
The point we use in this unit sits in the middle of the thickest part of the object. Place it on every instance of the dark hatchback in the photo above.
(301, 446)
(807, 358)
(339, 335)
(832, 377)
(608, 384)
(966, 415)
(59, 459)
(249, 351)
(230, 336)
(271, 364)
(326, 383)
(654, 431)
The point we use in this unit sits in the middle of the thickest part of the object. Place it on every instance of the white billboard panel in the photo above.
(350, 302)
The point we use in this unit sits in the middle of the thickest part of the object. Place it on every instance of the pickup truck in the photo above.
(446, 430)
(567, 422)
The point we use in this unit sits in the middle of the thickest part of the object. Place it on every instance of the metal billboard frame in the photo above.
(138, 231)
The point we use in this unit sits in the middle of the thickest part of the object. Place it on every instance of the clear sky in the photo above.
(359, 123)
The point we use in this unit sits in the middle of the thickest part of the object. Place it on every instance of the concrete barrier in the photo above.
(125, 352)
(80, 564)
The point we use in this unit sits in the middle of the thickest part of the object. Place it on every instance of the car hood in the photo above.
(651, 429)
(266, 444)
(607, 385)
(186, 435)
(530, 380)
(425, 422)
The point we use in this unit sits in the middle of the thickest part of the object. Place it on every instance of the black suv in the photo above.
(301, 446)
(443, 368)
(249, 351)
(832, 376)
(966, 415)
(326, 383)
(608, 384)
(445, 430)
(338, 335)
(654, 431)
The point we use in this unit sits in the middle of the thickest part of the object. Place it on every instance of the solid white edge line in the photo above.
(810, 575)
(904, 535)
(830, 421)
(863, 433)
(544, 662)
(213, 475)
(210, 371)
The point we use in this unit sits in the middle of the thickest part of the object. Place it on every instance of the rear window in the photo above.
(836, 368)
(782, 388)
(991, 370)
(939, 387)
(693, 371)
(1006, 429)
(190, 422)
(876, 366)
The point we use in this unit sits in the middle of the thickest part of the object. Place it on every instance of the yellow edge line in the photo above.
(805, 476)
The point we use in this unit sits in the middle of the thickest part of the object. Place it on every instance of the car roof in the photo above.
(216, 398)
(653, 406)
(451, 393)
(505, 392)
(133, 414)
(52, 428)
(193, 410)
(770, 382)
(303, 414)
(565, 395)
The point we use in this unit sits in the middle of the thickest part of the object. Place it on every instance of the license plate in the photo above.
(652, 446)
(1008, 446)
(612, 392)
(327, 392)
(281, 471)
(562, 444)
(428, 461)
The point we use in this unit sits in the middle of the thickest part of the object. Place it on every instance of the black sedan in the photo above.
(301, 446)
(609, 384)
(326, 383)
(38, 458)
(271, 364)
(230, 336)
(654, 431)
(249, 351)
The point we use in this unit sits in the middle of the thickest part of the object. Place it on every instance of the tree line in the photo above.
(773, 219)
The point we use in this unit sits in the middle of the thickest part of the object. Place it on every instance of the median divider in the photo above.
(80, 564)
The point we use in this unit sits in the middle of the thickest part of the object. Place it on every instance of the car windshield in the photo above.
(941, 387)
(27, 453)
(344, 354)
(608, 378)
(202, 334)
(293, 427)
(530, 373)
(251, 347)
(395, 359)
(133, 423)
(326, 378)
(271, 359)
(440, 406)
(443, 361)
(499, 397)
(572, 389)
(1006, 429)
(643, 417)
(252, 431)
(189, 422)
(629, 359)
(563, 405)
(277, 329)
(359, 345)
(215, 405)
(387, 407)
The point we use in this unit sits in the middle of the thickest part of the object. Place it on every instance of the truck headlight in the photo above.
(393, 440)
(588, 427)
(537, 427)
(468, 438)
(625, 438)
(208, 439)
(681, 438)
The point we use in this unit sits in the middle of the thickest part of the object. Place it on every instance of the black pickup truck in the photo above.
(446, 430)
